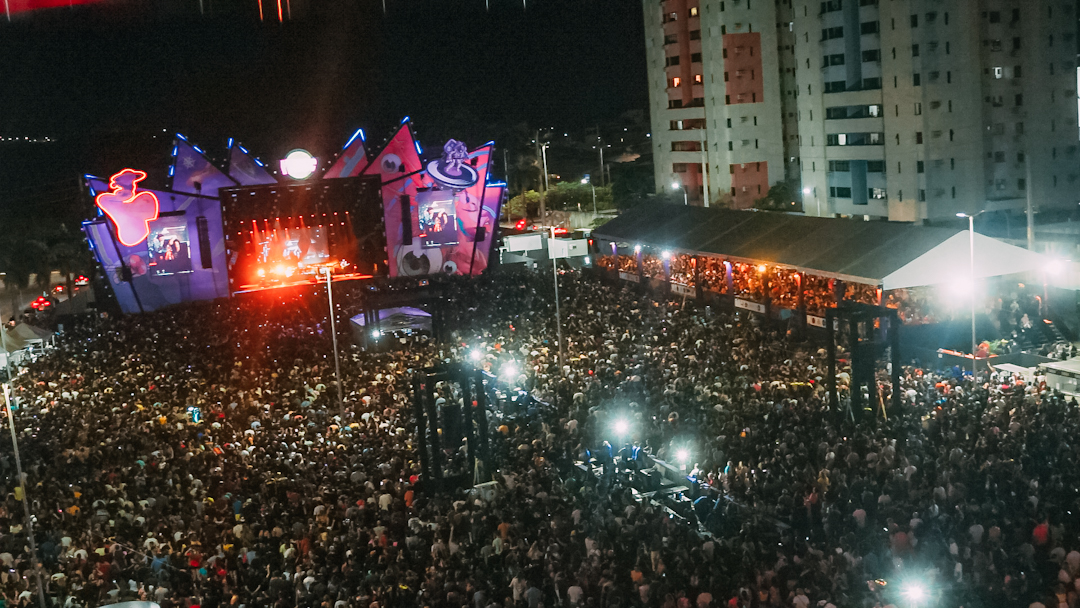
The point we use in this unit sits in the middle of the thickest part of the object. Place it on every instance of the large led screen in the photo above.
(168, 246)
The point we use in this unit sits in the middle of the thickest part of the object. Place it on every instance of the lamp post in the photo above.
(685, 198)
(971, 264)
(588, 180)
(558, 317)
(26, 506)
(543, 197)
(333, 335)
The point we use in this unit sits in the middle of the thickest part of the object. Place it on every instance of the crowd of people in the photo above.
(199, 456)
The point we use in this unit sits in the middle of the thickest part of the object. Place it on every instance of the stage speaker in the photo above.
(205, 254)
(406, 219)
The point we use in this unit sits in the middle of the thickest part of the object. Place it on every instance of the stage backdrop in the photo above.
(180, 258)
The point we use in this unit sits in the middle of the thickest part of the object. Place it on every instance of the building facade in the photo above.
(898, 109)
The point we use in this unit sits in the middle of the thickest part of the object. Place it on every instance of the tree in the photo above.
(522, 205)
(782, 196)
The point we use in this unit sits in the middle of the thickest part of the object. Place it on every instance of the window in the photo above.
(839, 166)
(841, 112)
(995, 17)
(999, 157)
(1016, 72)
(837, 59)
(952, 164)
(918, 108)
(671, 39)
(854, 139)
(916, 79)
(839, 192)
(1019, 157)
(693, 11)
(1019, 128)
(1016, 44)
(870, 27)
(674, 104)
(914, 21)
(930, 17)
(871, 55)
(871, 83)
(670, 61)
(998, 72)
(876, 193)
(686, 146)
(1019, 99)
(875, 166)
(679, 167)
(954, 191)
(922, 195)
(830, 33)
(695, 34)
(695, 57)
(995, 45)
(836, 86)
(831, 6)
(669, 17)
(920, 167)
(918, 137)
(676, 82)
(697, 79)
(914, 50)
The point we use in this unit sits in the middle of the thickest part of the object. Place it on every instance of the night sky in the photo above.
(103, 80)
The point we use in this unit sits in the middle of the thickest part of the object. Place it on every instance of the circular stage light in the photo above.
(299, 164)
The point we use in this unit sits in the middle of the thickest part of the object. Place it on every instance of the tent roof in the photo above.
(892, 254)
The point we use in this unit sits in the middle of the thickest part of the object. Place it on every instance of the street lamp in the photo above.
(971, 262)
(588, 180)
(333, 333)
(676, 186)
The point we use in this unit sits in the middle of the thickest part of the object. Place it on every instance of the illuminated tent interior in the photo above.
(890, 254)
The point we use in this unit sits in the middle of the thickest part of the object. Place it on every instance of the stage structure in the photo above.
(868, 331)
(450, 406)
(206, 230)
(284, 234)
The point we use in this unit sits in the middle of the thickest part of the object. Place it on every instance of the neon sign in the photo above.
(130, 209)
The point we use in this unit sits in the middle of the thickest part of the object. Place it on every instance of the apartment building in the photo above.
(898, 109)
(720, 124)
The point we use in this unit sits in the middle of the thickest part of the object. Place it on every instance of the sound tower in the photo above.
(406, 219)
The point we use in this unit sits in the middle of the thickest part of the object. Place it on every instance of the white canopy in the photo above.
(950, 261)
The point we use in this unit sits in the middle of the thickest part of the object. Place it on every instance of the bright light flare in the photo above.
(666, 255)
(475, 355)
(376, 334)
(509, 371)
(621, 427)
(1055, 266)
(682, 456)
(299, 164)
(914, 592)
(637, 248)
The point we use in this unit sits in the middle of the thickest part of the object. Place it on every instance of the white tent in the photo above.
(951, 261)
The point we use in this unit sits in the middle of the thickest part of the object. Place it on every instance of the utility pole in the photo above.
(22, 482)
(1030, 204)
(705, 165)
(333, 334)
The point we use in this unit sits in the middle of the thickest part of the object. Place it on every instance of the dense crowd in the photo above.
(281, 496)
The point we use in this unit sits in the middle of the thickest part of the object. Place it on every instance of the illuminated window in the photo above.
(693, 11)
(697, 79)
(676, 82)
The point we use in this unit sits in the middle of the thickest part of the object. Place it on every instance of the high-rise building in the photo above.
(720, 121)
(899, 109)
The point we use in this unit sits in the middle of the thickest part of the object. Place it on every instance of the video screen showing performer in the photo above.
(438, 218)
(168, 246)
